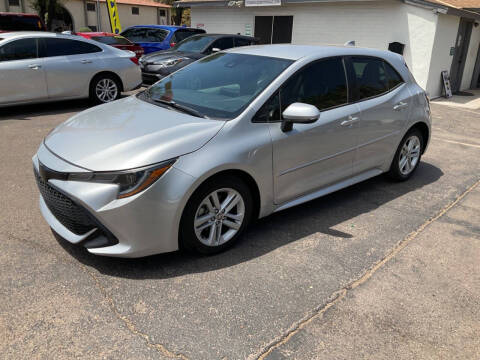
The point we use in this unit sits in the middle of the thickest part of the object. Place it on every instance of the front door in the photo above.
(22, 76)
(313, 156)
(461, 50)
(274, 29)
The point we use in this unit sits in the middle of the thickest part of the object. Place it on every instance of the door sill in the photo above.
(329, 189)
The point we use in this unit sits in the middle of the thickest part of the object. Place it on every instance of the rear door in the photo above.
(384, 101)
(69, 66)
(22, 74)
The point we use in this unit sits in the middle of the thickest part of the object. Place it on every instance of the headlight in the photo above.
(170, 62)
(130, 182)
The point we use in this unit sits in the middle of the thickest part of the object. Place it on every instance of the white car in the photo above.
(41, 66)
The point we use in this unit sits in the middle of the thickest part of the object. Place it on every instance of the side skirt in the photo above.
(330, 189)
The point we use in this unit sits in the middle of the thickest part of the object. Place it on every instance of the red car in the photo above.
(20, 22)
(114, 40)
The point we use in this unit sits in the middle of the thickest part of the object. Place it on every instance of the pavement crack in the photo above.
(128, 323)
(339, 295)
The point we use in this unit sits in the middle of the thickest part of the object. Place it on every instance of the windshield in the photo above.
(194, 43)
(218, 86)
(112, 40)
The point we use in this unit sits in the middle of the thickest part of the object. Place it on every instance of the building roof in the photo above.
(459, 4)
(151, 3)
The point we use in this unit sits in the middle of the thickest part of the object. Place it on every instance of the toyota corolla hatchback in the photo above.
(238, 135)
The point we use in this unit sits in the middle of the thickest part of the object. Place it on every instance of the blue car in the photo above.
(158, 37)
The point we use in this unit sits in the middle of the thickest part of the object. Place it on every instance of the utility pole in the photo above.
(99, 18)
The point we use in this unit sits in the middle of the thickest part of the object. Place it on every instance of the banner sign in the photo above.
(113, 15)
(263, 3)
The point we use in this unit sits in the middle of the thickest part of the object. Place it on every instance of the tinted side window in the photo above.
(370, 77)
(393, 78)
(322, 84)
(135, 34)
(223, 43)
(19, 49)
(270, 111)
(183, 34)
(242, 42)
(63, 47)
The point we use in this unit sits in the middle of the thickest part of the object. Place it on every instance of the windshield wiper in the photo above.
(183, 108)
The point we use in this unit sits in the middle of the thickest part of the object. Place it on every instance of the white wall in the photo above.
(371, 24)
(445, 38)
(471, 58)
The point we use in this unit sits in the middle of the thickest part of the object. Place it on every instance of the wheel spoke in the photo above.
(202, 220)
(215, 201)
(212, 235)
(403, 161)
(237, 217)
(218, 234)
(231, 224)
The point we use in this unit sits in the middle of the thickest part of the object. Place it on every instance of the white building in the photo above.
(437, 35)
(78, 14)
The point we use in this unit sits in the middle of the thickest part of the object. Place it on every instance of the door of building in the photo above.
(461, 50)
(274, 29)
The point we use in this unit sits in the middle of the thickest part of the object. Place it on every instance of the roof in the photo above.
(296, 52)
(142, 3)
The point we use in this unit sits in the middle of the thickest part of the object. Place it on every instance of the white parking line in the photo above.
(457, 142)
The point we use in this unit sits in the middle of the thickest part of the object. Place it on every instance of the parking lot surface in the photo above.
(376, 270)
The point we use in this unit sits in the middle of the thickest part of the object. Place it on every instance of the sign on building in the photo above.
(113, 16)
(263, 2)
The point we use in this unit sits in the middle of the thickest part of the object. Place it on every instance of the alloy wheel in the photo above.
(106, 90)
(409, 155)
(219, 217)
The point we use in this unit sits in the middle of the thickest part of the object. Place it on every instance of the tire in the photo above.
(199, 225)
(405, 161)
(104, 88)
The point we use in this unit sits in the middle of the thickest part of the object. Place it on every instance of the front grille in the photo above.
(72, 216)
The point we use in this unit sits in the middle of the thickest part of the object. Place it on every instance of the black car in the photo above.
(162, 63)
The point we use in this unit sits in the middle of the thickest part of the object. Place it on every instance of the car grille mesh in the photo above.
(72, 216)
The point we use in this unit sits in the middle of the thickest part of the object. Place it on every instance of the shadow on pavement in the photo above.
(267, 234)
(27, 112)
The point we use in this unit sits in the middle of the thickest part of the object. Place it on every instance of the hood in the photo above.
(169, 54)
(129, 133)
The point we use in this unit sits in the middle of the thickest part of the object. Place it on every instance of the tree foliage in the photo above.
(46, 9)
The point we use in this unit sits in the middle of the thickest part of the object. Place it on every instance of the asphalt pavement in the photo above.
(378, 270)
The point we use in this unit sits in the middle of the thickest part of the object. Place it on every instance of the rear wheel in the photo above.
(408, 156)
(104, 88)
(216, 215)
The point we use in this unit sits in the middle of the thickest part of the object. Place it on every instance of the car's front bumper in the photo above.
(141, 225)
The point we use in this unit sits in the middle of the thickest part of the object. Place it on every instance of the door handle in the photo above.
(86, 61)
(34, 66)
(351, 120)
(400, 106)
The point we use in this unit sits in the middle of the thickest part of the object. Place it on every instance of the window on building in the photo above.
(13, 2)
(19, 50)
(162, 13)
(322, 84)
(370, 77)
(90, 6)
(135, 10)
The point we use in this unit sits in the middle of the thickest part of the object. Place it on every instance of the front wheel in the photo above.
(408, 156)
(104, 89)
(216, 215)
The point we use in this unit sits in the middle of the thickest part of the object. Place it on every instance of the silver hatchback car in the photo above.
(238, 135)
(40, 66)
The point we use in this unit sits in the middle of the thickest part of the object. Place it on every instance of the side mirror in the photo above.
(299, 113)
(214, 50)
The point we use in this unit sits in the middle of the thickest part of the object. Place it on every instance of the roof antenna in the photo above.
(350, 43)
